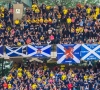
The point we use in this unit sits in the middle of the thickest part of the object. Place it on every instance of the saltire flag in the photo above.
(39, 51)
(68, 53)
(1, 50)
(90, 52)
(14, 51)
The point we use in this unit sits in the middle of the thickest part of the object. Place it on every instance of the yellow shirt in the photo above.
(50, 20)
(90, 77)
(68, 20)
(28, 20)
(2, 15)
(73, 75)
(45, 21)
(9, 86)
(41, 20)
(41, 38)
(34, 6)
(19, 44)
(77, 30)
(95, 16)
(45, 67)
(85, 77)
(63, 77)
(80, 29)
(88, 10)
(37, 10)
(38, 79)
(48, 7)
(8, 78)
(17, 22)
(1, 25)
(33, 21)
(65, 11)
(44, 83)
(19, 74)
(29, 75)
(34, 86)
(19, 69)
(97, 11)
(51, 74)
(25, 70)
(2, 9)
(37, 21)
(8, 28)
(62, 68)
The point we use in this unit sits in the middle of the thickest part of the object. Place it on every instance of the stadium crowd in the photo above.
(51, 25)
(41, 77)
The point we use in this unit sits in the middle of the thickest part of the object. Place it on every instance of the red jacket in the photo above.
(5, 85)
(70, 86)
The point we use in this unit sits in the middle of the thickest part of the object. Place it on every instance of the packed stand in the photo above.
(51, 25)
(41, 77)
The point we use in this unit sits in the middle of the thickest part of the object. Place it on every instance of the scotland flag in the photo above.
(90, 52)
(15, 51)
(69, 53)
(39, 51)
(1, 51)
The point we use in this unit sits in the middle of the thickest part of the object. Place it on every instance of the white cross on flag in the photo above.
(39, 51)
(68, 53)
(90, 52)
(14, 51)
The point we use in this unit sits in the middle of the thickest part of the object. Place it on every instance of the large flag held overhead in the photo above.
(1, 51)
(90, 52)
(39, 51)
(15, 51)
(69, 53)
